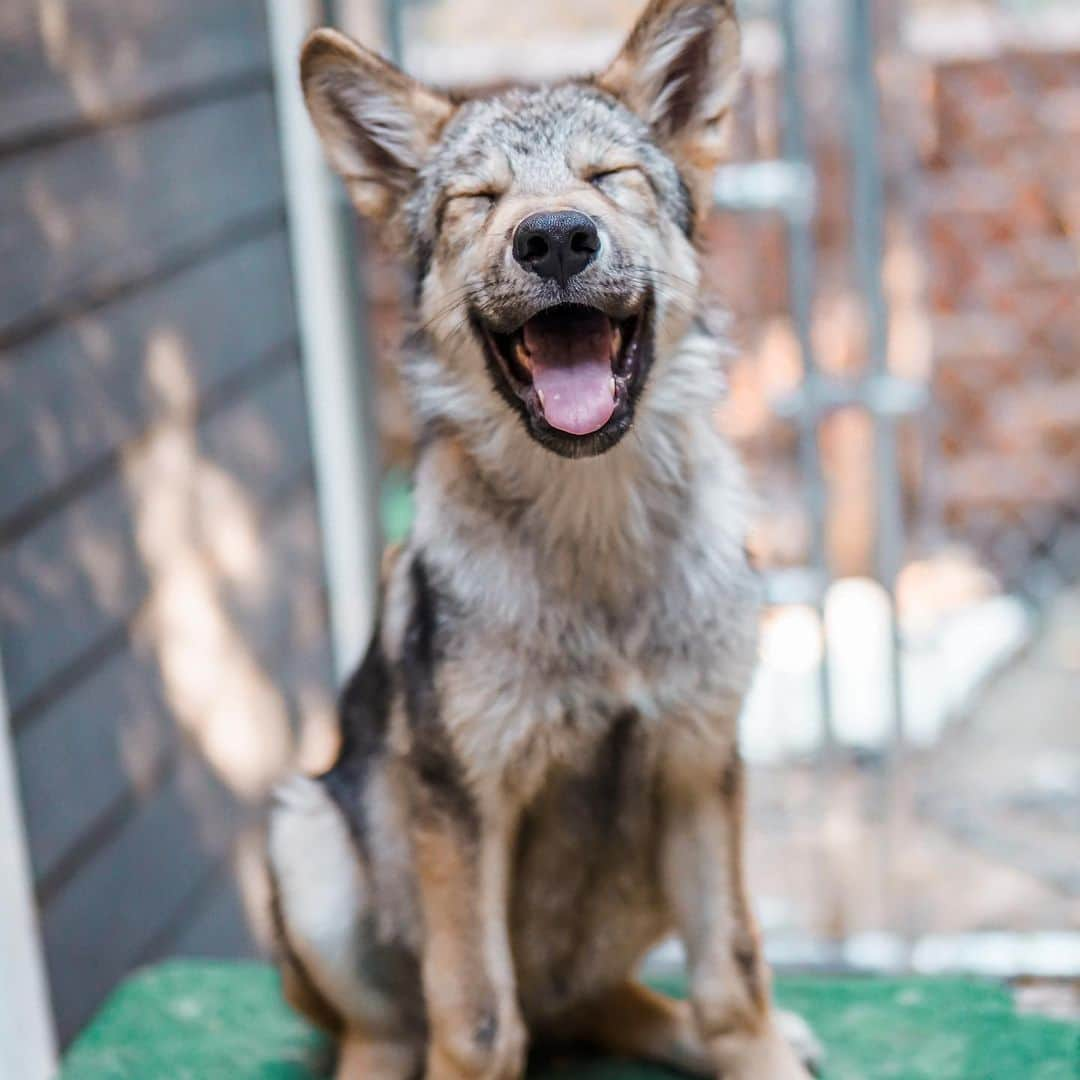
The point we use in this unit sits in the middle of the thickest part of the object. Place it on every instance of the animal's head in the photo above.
(551, 229)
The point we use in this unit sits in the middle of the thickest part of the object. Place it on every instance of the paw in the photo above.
(801, 1038)
(765, 1055)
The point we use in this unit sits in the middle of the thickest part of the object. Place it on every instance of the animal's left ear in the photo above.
(679, 71)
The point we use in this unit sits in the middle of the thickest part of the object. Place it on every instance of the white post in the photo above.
(340, 431)
(27, 1036)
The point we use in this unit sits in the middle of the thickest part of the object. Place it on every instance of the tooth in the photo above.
(540, 395)
(612, 385)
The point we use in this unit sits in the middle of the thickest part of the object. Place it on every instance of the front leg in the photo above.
(703, 872)
(462, 844)
(462, 858)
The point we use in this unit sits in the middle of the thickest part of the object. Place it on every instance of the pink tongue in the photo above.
(570, 352)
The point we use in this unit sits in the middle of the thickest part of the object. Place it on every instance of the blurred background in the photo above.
(203, 443)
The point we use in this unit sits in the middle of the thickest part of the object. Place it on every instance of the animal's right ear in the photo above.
(377, 124)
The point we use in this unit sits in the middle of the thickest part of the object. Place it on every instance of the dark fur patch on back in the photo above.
(364, 709)
(431, 754)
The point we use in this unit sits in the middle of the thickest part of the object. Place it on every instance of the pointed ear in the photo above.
(377, 124)
(679, 72)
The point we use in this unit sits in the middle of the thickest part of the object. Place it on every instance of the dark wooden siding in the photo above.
(157, 513)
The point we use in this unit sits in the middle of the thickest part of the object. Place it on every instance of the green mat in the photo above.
(221, 1021)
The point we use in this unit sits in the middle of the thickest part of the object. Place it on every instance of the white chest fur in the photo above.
(614, 590)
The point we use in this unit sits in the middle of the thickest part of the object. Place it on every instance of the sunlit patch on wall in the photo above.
(195, 529)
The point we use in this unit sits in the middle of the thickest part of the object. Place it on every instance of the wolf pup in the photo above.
(539, 777)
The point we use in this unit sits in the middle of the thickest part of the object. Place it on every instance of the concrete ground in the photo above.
(980, 832)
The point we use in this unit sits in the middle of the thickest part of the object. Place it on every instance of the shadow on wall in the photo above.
(162, 608)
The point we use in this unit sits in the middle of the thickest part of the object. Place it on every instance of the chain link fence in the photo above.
(896, 238)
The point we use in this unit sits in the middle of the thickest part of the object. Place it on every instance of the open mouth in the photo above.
(575, 370)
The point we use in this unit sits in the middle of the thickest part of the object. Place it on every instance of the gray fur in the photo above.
(567, 640)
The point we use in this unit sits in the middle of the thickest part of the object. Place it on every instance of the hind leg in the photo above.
(324, 927)
(635, 1022)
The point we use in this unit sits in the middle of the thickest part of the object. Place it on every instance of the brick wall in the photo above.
(981, 159)
(1001, 189)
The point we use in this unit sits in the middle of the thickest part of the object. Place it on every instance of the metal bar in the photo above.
(1050, 955)
(788, 187)
(334, 363)
(27, 1035)
(395, 30)
(886, 395)
(801, 289)
(868, 245)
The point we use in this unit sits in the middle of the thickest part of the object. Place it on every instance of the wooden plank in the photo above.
(264, 439)
(96, 212)
(308, 671)
(64, 586)
(81, 574)
(110, 737)
(106, 741)
(127, 915)
(109, 915)
(64, 64)
(295, 611)
(218, 927)
(80, 390)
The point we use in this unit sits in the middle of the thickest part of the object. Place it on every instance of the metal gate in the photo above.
(787, 187)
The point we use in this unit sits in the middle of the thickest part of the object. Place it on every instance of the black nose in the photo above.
(556, 244)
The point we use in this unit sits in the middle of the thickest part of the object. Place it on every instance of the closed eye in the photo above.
(485, 196)
(600, 175)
